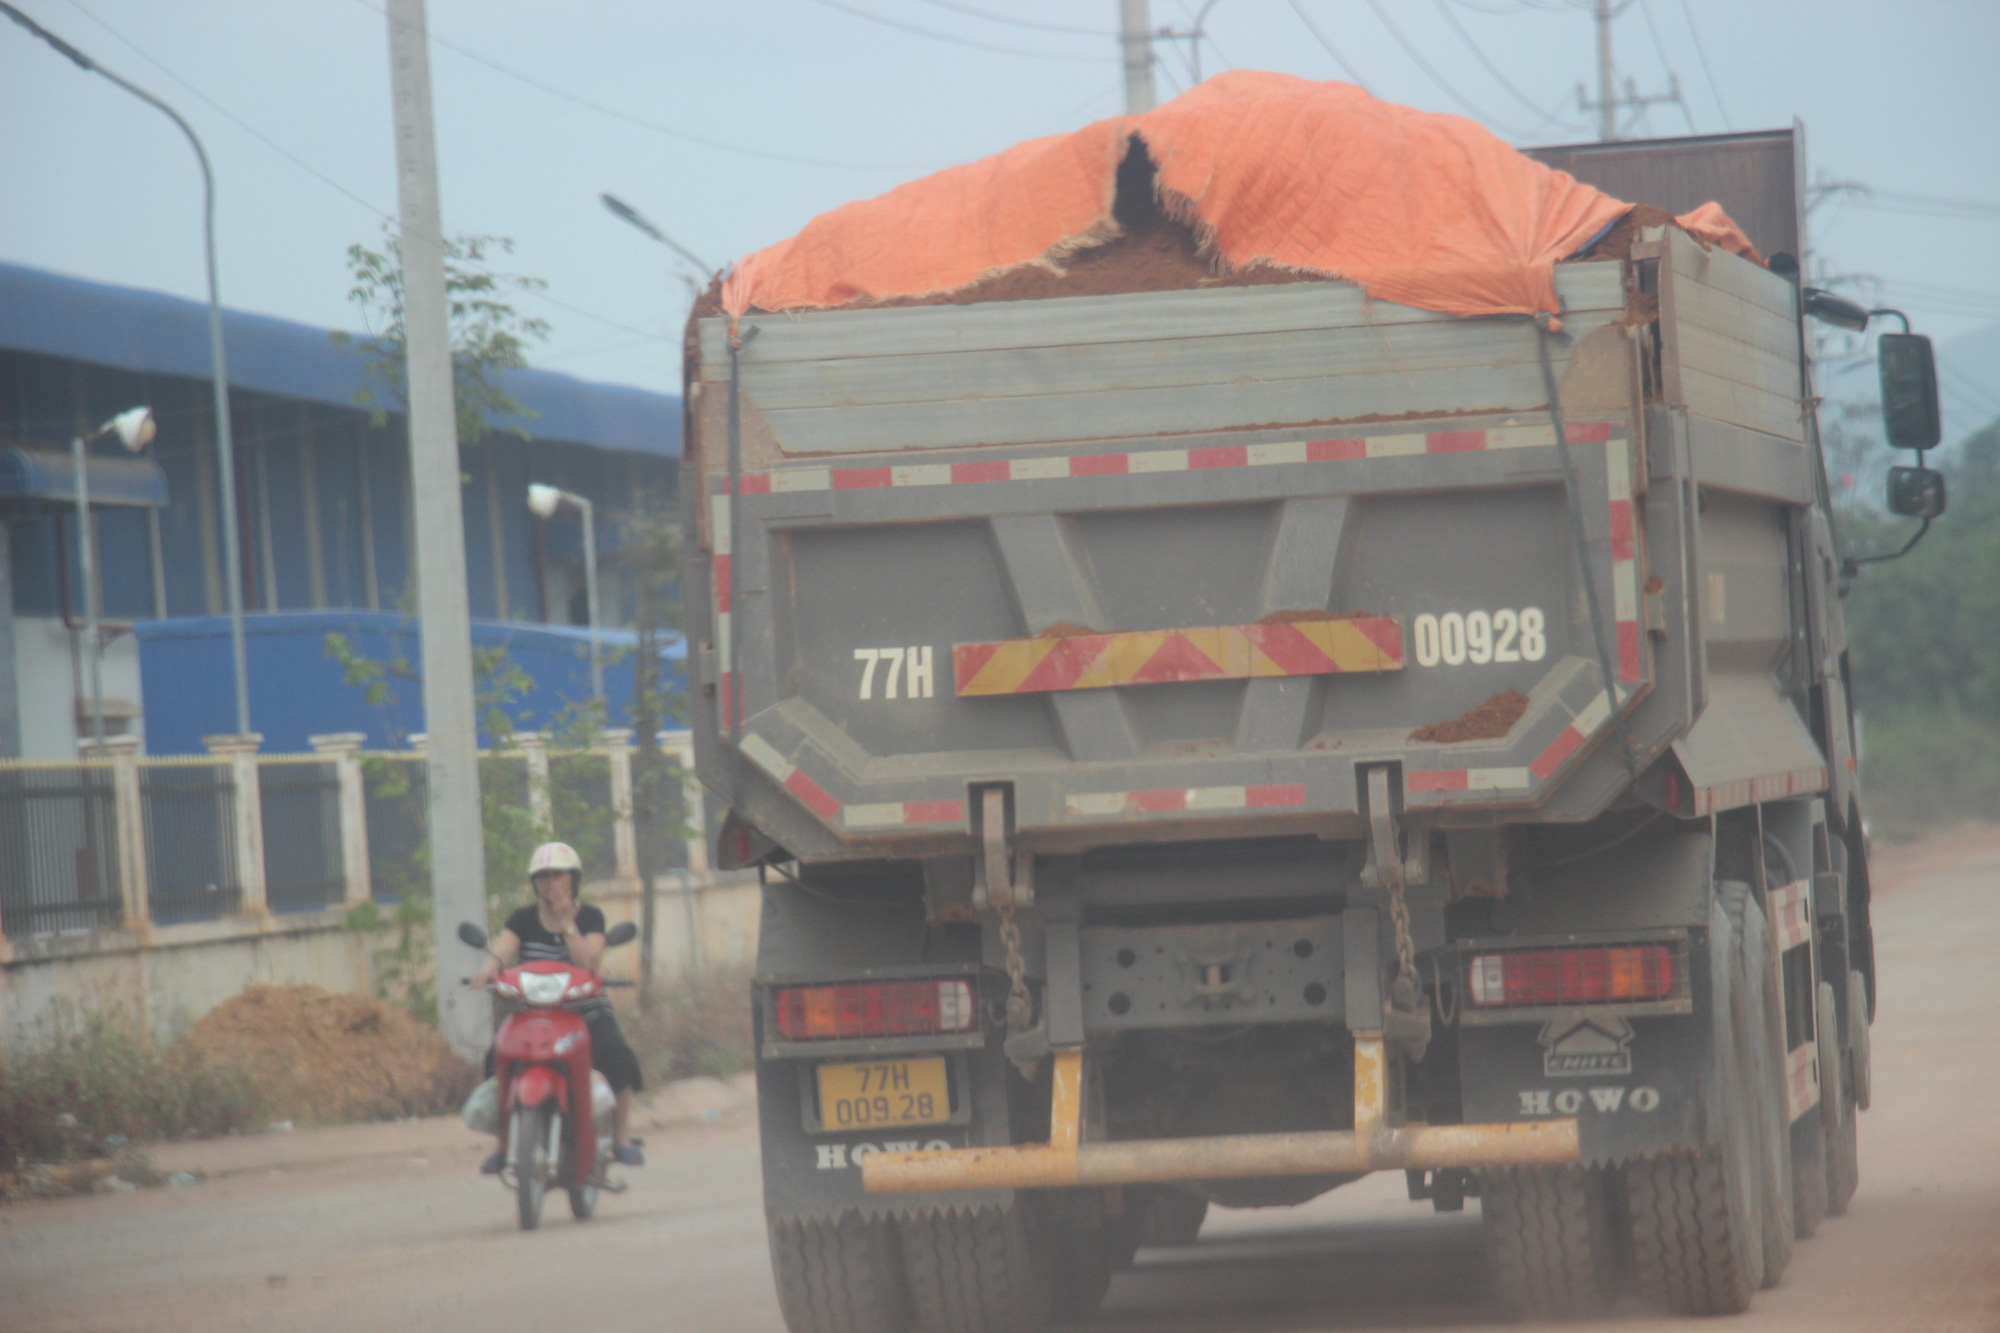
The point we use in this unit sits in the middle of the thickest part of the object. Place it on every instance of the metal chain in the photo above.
(1399, 915)
(1019, 1011)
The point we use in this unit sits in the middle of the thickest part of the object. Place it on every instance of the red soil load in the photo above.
(1489, 721)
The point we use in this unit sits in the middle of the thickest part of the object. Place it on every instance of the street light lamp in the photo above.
(134, 428)
(543, 501)
(225, 448)
(624, 212)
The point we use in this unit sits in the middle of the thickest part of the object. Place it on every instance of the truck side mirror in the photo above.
(1910, 414)
(1916, 492)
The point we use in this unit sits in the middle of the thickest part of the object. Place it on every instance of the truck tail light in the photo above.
(877, 1009)
(1572, 976)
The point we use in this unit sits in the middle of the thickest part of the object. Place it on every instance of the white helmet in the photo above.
(555, 856)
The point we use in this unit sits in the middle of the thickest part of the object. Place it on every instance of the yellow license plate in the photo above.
(884, 1092)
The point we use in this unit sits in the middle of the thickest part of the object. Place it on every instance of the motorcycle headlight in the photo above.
(544, 987)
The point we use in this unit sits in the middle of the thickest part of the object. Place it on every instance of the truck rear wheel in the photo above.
(1811, 1133)
(1843, 1150)
(1551, 1239)
(1762, 1040)
(979, 1270)
(839, 1277)
(1172, 1217)
(1696, 1217)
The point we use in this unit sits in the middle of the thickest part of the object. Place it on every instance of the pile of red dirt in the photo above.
(325, 1057)
(1489, 721)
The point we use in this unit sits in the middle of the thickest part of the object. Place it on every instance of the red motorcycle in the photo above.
(555, 1109)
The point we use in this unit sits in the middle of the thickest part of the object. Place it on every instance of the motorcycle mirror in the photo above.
(472, 935)
(622, 933)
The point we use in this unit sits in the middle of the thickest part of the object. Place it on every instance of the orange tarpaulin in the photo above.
(1414, 207)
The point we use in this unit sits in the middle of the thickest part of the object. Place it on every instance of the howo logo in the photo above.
(1571, 1101)
(843, 1156)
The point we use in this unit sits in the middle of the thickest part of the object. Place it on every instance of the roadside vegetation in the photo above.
(91, 1084)
(1921, 634)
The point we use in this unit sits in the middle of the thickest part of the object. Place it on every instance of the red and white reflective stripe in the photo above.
(1791, 914)
(789, 481)
(1755, 791)
(1469, 779)
(901, 814)
(765, 755)
(1175, 800)
(1801, 1080)
(1624, 559)
(721, 543)
(1580, 729)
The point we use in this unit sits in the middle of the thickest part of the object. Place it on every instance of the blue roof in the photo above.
(50, 477)
(157, 334)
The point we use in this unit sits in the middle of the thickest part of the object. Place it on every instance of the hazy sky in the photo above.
(542, 106)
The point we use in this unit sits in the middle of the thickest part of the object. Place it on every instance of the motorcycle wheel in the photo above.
(529, 1141)
(582, 1201)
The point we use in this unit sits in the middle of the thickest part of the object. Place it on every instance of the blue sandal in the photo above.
(491, 1166)
(630, 1155)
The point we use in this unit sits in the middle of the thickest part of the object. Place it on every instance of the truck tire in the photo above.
(1763, 1040)
(1843, 1149)
(839, 1277)
(1863, 1063)
(1696, 1216)
(977, 1270)
(1083, 1264)
(1172, 1217)
(1551, 1241)
(1810, 1134)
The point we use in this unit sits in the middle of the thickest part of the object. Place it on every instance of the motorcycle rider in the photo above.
(560, 927)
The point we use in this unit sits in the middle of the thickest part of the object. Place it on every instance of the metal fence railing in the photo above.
(190, 822)
(86, 845)
(58, 849)
(303, 866)
(397, 803)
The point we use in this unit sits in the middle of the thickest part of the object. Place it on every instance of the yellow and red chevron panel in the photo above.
(1158, 656)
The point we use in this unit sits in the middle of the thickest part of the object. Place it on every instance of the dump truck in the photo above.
(1203, 746)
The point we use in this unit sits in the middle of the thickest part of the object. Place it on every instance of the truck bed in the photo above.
(1173, 565)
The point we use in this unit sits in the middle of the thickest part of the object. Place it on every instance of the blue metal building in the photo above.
(324, 519)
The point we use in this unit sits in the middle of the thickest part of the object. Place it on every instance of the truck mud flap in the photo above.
(1633, 1086)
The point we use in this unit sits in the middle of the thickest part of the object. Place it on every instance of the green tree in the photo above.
(1922, 639)
(488, 335)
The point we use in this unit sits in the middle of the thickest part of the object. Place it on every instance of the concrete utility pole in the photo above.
(1607, 91)
(1609, 102)
(458, 858)
(1135, 37)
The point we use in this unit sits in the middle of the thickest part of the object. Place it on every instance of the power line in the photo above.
(1547, 116)
(953, 38)
(1984, 399)
(1673, 75)
(563, 94)
(1436, 77)
(1338, 58)
(1707, 70)
(235, 119)
(1009, 19)
(321, 176)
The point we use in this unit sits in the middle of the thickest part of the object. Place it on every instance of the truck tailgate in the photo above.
(1164, 563)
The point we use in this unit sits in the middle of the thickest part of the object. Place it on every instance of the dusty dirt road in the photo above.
(377, 1225)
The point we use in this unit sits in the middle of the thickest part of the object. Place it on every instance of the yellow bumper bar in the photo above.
(1369, 1146)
